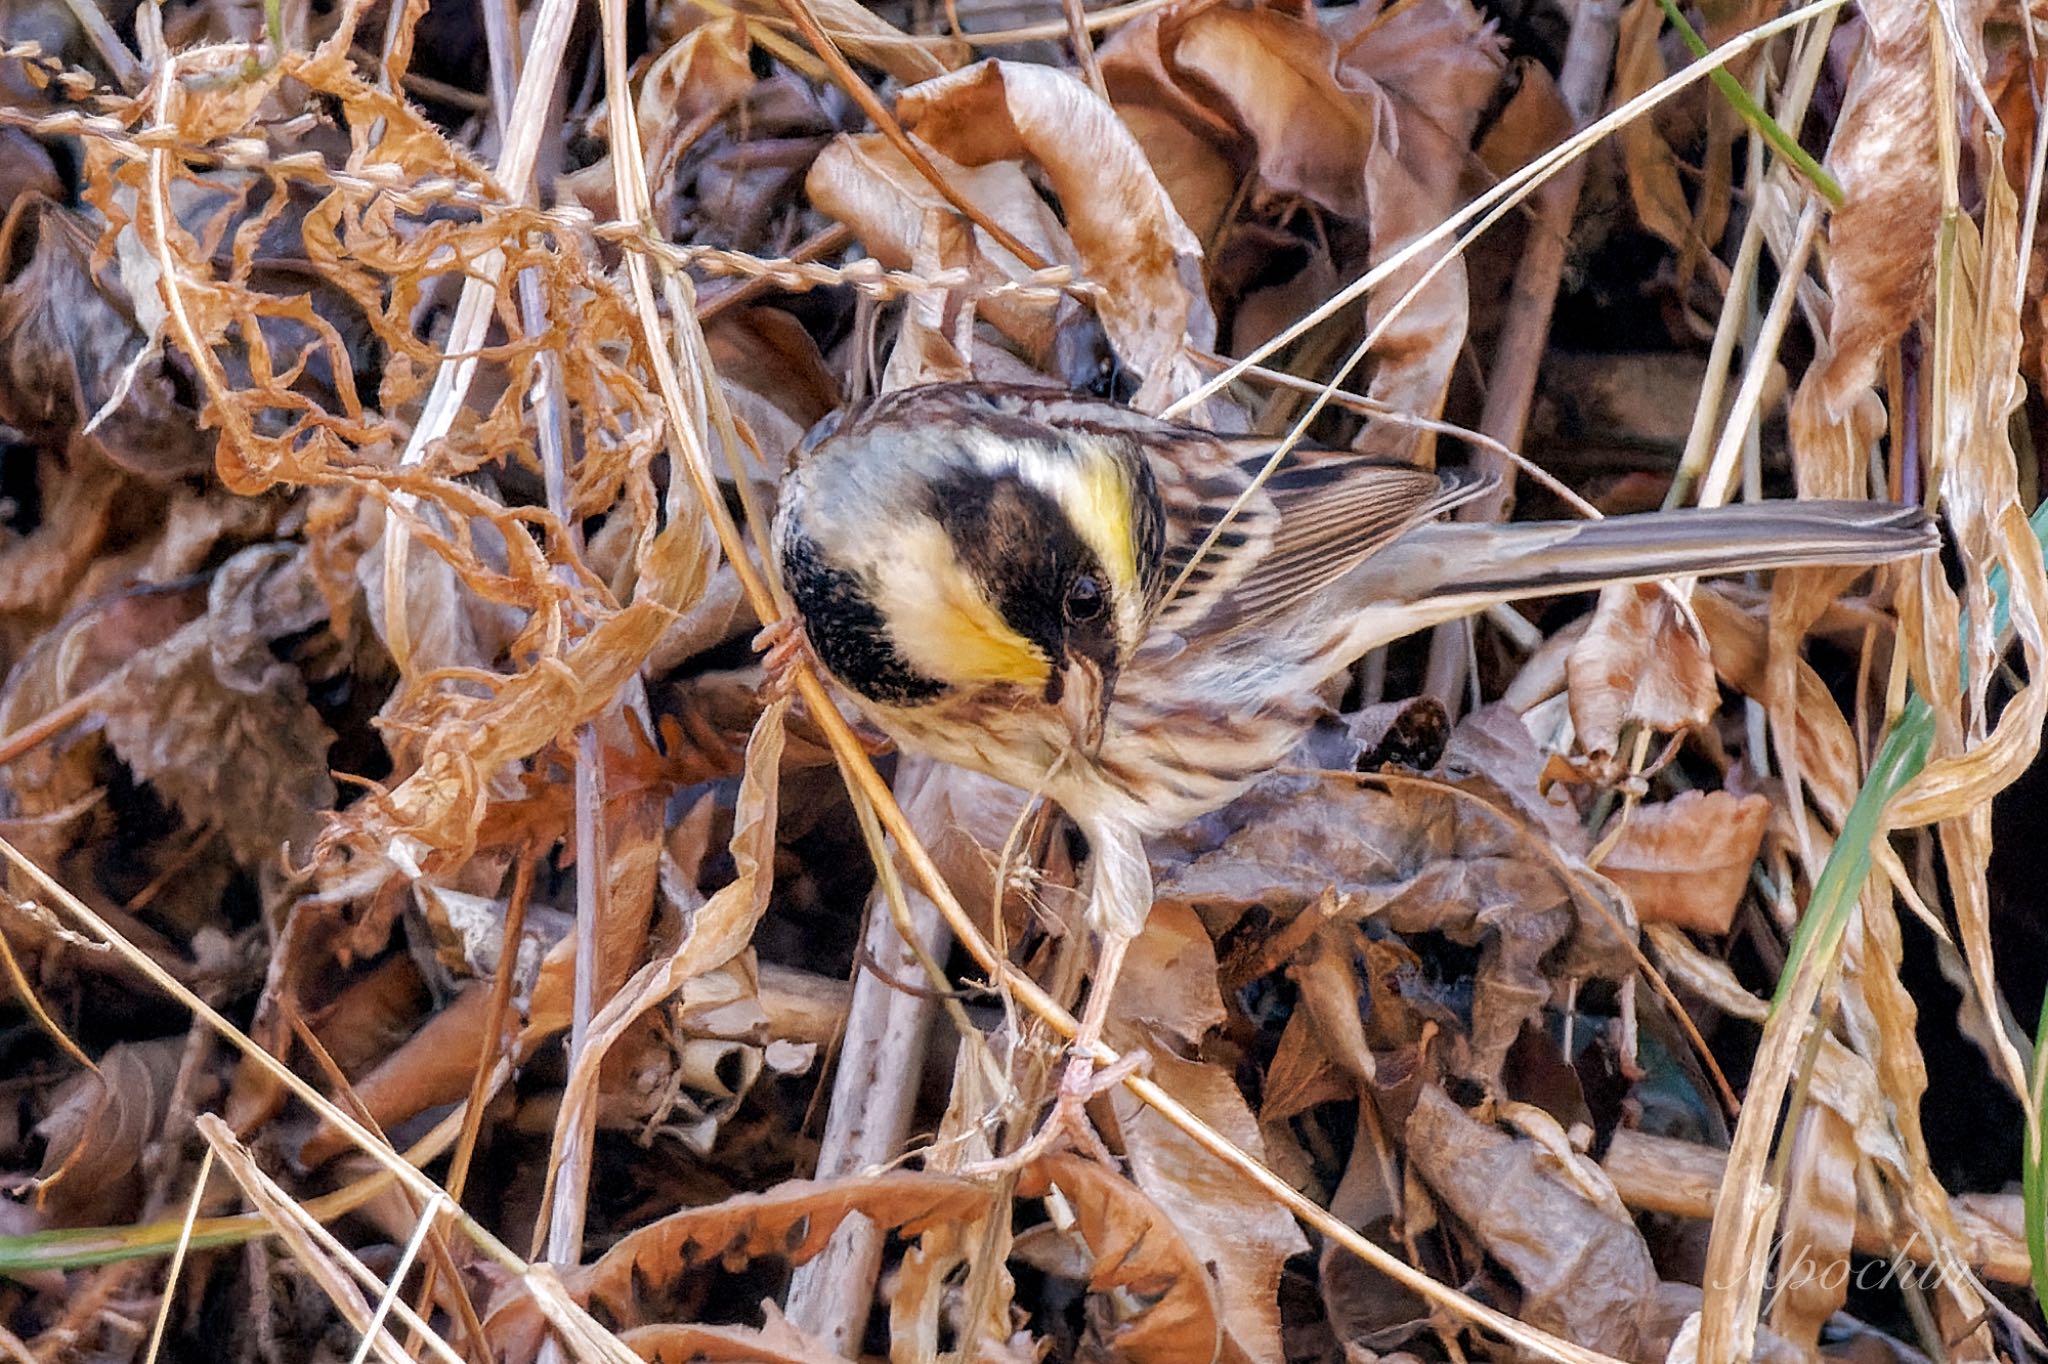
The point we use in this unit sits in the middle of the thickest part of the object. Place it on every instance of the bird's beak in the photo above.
(1085, 692)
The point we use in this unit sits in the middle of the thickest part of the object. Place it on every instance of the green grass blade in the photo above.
(1754, 114)
(39, 1252)
(1818, 941)
(1900, 759)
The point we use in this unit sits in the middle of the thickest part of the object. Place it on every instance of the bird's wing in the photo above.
(1198, 481)
(1305, 527)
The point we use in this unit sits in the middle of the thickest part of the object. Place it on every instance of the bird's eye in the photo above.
(1084, 599)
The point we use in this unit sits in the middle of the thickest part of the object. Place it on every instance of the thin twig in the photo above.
(475, 307)
(127, 71)
(26, 993)
(490, 1047)
(822, 243)
(473, 1330)
(1525, 331)
(163, 1307)
(1084, 47)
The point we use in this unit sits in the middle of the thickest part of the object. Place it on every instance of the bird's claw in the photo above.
(1068, 1124)
(782, 645)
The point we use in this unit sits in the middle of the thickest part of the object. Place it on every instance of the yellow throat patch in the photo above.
(955, 633)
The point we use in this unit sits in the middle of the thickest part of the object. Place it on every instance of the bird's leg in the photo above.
(1079, 1083)
(1068, 1123)
(1118, 904)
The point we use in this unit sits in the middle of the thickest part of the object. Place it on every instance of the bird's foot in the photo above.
(782, 645)
(1068, 1125)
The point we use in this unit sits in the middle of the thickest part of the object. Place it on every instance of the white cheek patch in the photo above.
(939, 619)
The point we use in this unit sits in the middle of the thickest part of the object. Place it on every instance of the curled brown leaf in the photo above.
(1130, 239)
(1642, 662)
(1686, 861)
(1584, 1269)
(1160, 1303)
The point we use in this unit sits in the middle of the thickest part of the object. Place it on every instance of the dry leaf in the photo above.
(1492, 754)
(1881, 246)
(935, 342)
(1710, 978)
(435, 1065)
(1166, 1001)
(1686, 861)
(1651, 166)
(1169, 983)
(1534, 120)
(76, 367)
(99, 1127)
(1310, 132)
(1440, 62)
(61, 781)
(1665, 1175)
(1128, 236)
(442, 803)
(1239, 1233)
(219, 725)
(792, 1220)
(774, 1342)
(868, 37)
(714, 934)
(865, 183)
(698, 78)
(306, 233)
(1825, 745)
(1642, 662)
(1818, 1227)
(1158, 1303)
(1419, 860)
(374, 1011)
(1583, 1267)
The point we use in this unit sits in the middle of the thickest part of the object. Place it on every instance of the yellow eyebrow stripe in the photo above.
(1101, 512)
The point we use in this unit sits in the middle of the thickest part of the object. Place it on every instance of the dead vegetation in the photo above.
(425, 941)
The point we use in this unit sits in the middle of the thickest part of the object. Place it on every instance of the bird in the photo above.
(1137, 621)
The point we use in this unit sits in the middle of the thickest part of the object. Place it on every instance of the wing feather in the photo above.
(1303, 529)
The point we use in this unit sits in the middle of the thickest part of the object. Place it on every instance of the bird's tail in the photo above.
(1444, 570)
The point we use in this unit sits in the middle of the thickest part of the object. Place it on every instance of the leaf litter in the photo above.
(359, 715)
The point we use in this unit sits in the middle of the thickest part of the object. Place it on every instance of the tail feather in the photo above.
(1444, 570)
(1538, 558)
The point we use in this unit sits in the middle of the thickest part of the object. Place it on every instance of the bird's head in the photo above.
(932, 552)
